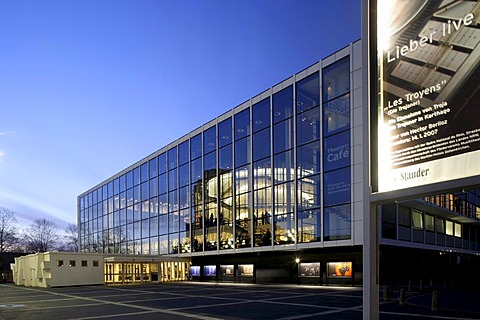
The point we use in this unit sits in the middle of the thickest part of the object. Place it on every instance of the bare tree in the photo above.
(8, 232)
(71, 238)
(42, 235)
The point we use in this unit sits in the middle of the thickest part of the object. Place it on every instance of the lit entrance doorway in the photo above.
(141, 270)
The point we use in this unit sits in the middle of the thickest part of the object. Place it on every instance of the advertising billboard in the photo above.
(428, 56)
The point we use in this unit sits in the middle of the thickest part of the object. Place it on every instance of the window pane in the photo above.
(336, 79)
(283, 104)
(404, 216)
(308, 159)
(262, 173)
(284, 225)
(429, 223)
(243, 221)
(210, 177)
(172, 158)
(225, 158)
(241, 180)
(162, 204)
(261, 115)
(197, 171)
(336, 151)
(172, 180)
(162, 163)
(184, 198)
(225, 132)
(337, 222)
(153, 168)
(144, 191)
(183, 152)
(309, 192)
(261, 144)
(337, 187)
(184, 175)
(144, 172)
(116, 190)
(136, 176)
(336, 115)
(122, 187)
(162, 183)
(242, 152)
(283, 136)
(196, 146)
(309, 223)
(209, 140)
(458, 230)
(284, 198)
(242, 124)
(283, 167)
(449, 228)
(308, 126)
(308, 92)
(417, 219)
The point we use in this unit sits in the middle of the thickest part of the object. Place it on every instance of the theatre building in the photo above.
(277, 189)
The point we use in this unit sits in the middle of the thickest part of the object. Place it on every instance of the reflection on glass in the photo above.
(183, 153)
(337, 223)
(308, 126)
(283, 104)
(308, 92)
(209, 140)
(261, 115)
(225, 132)
(242, 124)
(336, 79)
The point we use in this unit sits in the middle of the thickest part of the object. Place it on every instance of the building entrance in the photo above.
(139, 272)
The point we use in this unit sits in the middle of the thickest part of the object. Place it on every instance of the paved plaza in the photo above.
(208, 301)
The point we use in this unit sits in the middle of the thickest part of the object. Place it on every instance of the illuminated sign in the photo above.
(429, 92)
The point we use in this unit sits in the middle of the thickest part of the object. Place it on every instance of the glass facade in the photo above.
(275, 171)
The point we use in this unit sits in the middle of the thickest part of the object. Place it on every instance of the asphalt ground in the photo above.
(210, 301)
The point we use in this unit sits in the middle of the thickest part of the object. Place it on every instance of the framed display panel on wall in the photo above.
(339, 269)
(210, 271)
(227, 270)
(246, 270)
(195, 271)
(310, 269)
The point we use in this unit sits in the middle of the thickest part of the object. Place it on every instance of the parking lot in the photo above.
(210, 301)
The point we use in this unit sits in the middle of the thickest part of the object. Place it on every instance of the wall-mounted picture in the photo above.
(245, 270)
(210, 271)
(310, 269)
(227, 270)
(195, 271)
(339, 269)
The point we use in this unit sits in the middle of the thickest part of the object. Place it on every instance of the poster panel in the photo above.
(245, 270)
(195, 271)
(310, 269)
(210, 271)
(339, 269)
(428, 57)
(227, 270)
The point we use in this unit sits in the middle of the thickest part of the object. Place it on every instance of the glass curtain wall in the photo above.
(275, 173)
(336, 148)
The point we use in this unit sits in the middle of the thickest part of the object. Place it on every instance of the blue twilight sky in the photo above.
(88, 87)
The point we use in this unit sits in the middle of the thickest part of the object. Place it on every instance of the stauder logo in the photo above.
(409, 175)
